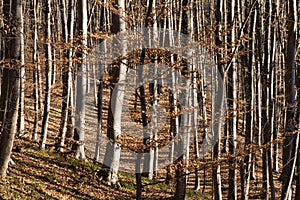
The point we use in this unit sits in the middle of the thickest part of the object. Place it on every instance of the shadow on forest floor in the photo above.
(46, 175)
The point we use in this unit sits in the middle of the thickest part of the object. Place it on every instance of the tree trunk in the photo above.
(81, 83)
(290, 138)
(217, 194)
(10, 87)
(22, 79)
(118, 102)
(185, 125)
(48, 74)
(36, 72)
(66, 79)
(232, 104)
(71, 121)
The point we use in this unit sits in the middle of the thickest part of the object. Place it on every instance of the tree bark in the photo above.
(11, 86)
(289, 142)
(48, 74)
(118, 102)
(82, 83)
(66, 79)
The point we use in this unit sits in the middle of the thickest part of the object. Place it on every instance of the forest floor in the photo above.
(40, 174)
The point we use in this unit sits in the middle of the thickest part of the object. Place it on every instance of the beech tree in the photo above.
(117, 101)
(10, 92)
(81, 89)
(48, 73)
(291, 140)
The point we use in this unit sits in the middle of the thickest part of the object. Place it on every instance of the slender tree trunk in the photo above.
(71, 20)
(100, 89)
(266, 132)
(274, 67)
(297, 194)
(232, 101)
(81, 83)
(23, 78)
(148, 160)
(249, 94)
(66, 79)
(48, 75)
(218, 41)
(117, 111)
(100, 115)
(185, 126)
(36, 72)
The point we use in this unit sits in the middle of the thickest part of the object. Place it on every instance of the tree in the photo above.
(185, 126)
(218, 42)
(266, 132)
(289, 145)
(11, 83)
(36, 72)
(117, 101)
(232, 104)
(23, 78)
(66, 78)
(48, 74)
(82, 83)
(250, 99)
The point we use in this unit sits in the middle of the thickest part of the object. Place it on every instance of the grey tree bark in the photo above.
(23, 78)
(48, 74)
(118, 101)
(66, 75)
(289, 143)
(186, 118)
(36, 72)
(82, 82)
(232, 104)
(11, 85)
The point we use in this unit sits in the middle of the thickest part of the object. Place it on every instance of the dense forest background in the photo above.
(51, 91)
